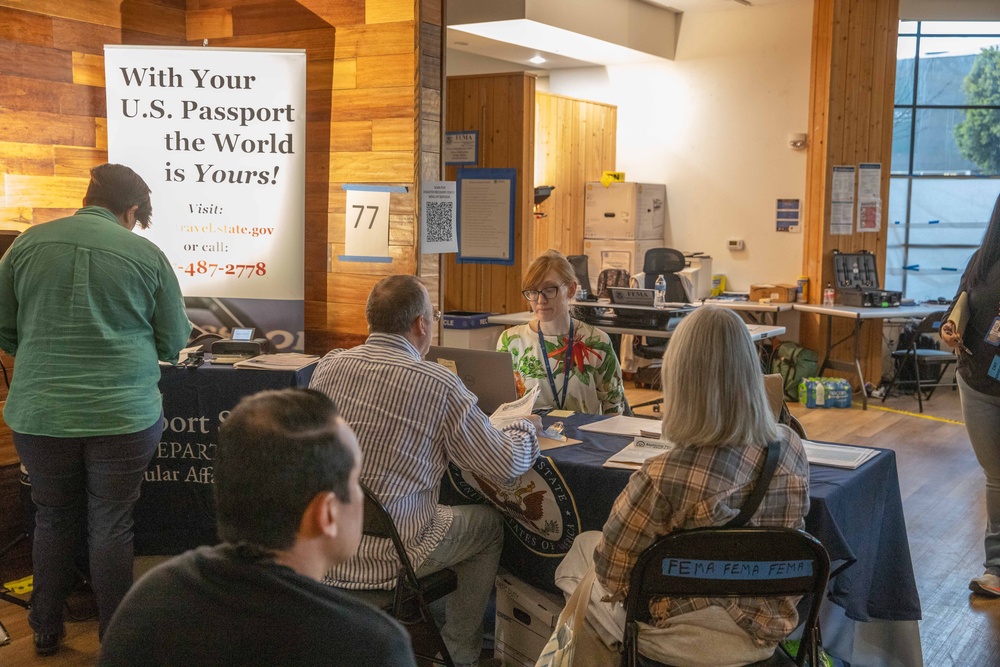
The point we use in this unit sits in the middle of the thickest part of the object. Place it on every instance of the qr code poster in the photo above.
(438, 203)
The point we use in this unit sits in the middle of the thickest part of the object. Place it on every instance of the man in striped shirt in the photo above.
(412, 417)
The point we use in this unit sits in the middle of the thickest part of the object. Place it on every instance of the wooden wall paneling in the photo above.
(262, 17)
(25, 28)
(101, 12)
(82, 37)
(152, 20)
(851, 91)
(209, 23)
(574, 144)
(18, 158)
(88, 69)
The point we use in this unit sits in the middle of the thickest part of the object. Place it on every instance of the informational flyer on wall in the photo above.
(842, 200)
(869, 197)
(219, 136)
(787, 215)
(486, 216)
(438, 231)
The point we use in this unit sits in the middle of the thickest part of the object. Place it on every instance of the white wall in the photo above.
(713, 125)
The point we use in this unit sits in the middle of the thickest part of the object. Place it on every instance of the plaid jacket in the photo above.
(698, 487)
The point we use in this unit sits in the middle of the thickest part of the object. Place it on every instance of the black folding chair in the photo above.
(919, 357)
(730, 562)
(409, 601)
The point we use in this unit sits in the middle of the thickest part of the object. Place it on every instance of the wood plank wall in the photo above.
(502, 108)
(574, 143)
(850, 109)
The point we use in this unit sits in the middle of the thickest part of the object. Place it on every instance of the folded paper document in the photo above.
(515, 410)
(638, 452)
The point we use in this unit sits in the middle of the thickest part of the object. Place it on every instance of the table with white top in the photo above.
(758, 313)
(758, 332)
(859, 314)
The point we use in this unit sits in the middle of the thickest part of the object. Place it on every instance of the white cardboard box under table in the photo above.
(526, 617)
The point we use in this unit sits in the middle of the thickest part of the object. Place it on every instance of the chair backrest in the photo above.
(580, 264)
(378, 523)
(668, 262)
(729, 562)
(663, 260)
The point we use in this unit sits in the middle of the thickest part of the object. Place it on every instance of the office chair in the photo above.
(409, 601)
(581, 268)
(666, 262)
(919, 357)
(669, 263)
(691, 563)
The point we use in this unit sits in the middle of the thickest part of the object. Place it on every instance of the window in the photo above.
(945, 170)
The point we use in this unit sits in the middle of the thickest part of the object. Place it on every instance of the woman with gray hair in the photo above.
(717, 416)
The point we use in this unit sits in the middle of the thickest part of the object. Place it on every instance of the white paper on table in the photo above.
(837, 456)
(620, 425)
(638, 452)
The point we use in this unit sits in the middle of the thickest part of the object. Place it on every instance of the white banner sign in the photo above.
(219, 137)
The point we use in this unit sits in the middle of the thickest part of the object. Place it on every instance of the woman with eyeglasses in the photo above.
(573, 364)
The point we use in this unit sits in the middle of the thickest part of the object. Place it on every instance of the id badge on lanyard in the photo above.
(993, 338)
(567, 366)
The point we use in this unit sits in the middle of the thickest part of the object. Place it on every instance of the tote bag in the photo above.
(558, 652)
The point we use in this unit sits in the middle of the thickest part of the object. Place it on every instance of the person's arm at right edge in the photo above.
(171, 327)
(474, 444)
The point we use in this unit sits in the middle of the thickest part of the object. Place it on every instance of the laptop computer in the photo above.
(629, 296)
(489, 375)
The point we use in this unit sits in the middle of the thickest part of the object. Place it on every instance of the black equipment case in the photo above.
(857, 283)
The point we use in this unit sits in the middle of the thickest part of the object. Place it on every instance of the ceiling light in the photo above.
(537, 60)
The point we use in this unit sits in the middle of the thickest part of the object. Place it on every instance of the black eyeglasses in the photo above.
(548, 292)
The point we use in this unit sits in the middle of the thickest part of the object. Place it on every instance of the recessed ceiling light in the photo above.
(537, 60)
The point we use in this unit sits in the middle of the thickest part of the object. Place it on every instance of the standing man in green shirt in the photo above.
(87, 308)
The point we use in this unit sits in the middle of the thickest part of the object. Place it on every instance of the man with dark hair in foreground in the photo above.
(289, 507)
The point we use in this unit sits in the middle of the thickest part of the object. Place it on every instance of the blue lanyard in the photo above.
(567, 365)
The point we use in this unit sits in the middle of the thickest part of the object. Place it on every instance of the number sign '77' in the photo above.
(367, 224)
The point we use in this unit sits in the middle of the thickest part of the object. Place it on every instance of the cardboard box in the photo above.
(526, 618)
(777, 293)
(624, 211)
(616, 254)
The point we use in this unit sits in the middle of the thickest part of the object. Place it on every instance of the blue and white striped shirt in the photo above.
(412, 417)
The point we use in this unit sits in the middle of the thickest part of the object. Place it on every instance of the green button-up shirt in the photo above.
(88, 308)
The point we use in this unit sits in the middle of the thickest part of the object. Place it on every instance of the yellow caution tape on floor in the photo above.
(21, 586)
(915, 414)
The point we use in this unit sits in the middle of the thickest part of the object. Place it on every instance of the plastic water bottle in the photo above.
(828, 295)
(660, 299)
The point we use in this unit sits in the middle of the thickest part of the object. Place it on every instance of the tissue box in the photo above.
(825, 393)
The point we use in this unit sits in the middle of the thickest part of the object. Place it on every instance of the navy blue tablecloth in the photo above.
(176, 510)
(856, 514)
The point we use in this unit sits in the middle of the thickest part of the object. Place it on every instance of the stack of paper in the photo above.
(621, 425)
(837, 456)
(515, 410)
(288, 361)
(638, 452)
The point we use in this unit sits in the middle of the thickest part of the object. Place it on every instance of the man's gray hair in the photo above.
(393, 305)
